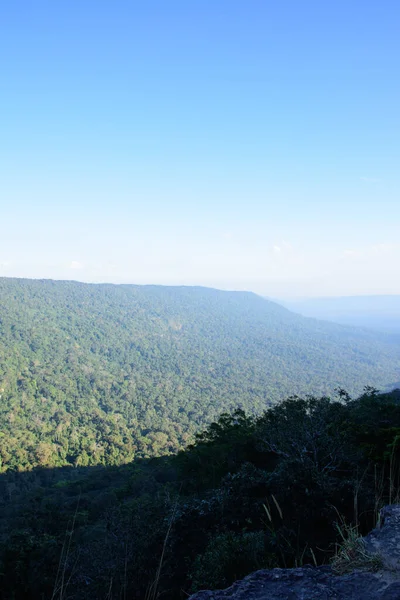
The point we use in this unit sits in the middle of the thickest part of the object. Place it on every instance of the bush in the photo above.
(229, 556)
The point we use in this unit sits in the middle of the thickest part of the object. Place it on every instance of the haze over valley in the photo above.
(376, 312)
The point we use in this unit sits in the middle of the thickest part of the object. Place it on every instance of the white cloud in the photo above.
(286, 245)
(282, 247)
(75, 264)
(384, 249)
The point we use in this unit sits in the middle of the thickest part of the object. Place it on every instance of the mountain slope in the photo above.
(100, 373)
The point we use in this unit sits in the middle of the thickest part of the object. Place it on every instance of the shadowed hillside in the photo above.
(251, 493)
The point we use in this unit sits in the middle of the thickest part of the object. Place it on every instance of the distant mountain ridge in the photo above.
(376, 312)
(102, 373)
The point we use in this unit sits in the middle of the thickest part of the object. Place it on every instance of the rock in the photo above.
(321, 583)
(385, 539)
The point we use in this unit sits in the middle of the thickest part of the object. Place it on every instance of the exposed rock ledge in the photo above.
(320, 583)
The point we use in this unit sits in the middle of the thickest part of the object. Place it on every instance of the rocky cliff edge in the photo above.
(382, 546)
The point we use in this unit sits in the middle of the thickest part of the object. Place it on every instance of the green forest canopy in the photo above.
(100, 374)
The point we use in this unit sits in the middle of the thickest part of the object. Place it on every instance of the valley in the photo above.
(102, 374)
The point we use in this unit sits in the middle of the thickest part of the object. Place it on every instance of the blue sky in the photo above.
(241, 145)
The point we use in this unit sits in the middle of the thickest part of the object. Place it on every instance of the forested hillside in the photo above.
(99, 374)
(251, 493)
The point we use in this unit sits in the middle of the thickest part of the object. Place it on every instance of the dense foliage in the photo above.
(100, 374)
(251, 492)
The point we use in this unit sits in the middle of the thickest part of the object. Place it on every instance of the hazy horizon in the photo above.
(291, 299)
(250, 146)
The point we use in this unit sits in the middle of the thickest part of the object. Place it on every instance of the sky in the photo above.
(250, 145)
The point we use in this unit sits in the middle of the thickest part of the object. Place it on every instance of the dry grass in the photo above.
(61, 583)
(152, 591)
(351, 553)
